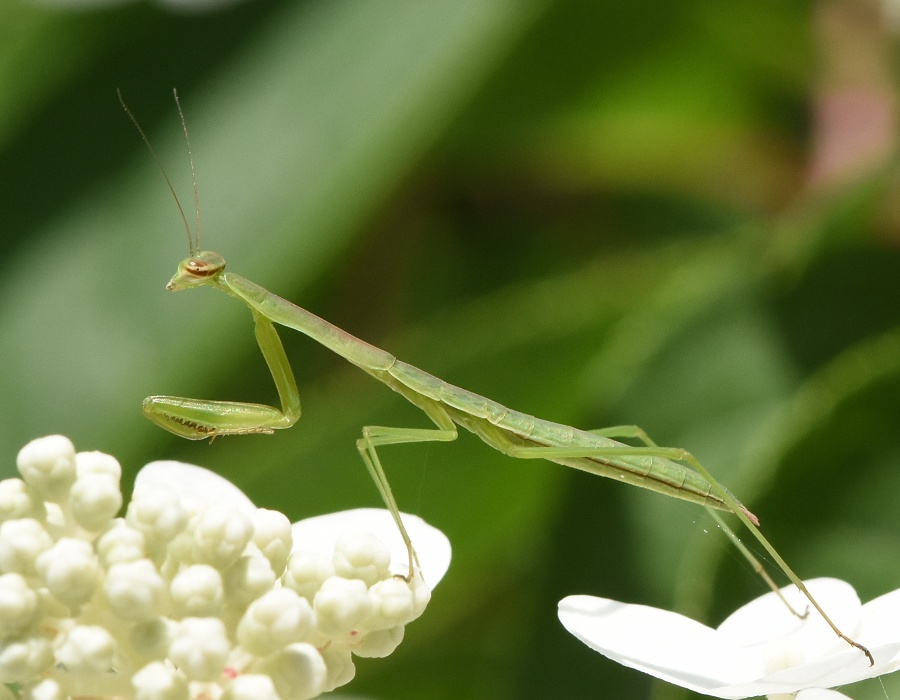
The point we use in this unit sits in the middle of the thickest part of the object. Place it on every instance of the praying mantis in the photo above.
(670, 471)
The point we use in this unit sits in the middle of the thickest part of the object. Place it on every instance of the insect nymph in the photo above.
(671, 471)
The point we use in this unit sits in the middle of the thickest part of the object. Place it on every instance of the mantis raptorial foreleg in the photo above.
(198, 419)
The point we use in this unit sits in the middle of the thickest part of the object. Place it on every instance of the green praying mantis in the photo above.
(674, 472)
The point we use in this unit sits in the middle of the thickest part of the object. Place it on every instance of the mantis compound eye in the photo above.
(204, 264)
(198, 268)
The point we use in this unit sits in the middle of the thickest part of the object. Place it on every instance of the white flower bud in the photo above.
(341, 670)
(48, 466)
(306, 572)
(393, 604)
(421, 595)
(47, 689)
(361, 555)
(120, 544)
(248, 579)
(298, 671)
(98, 463)
(87, 650)
(197, 591)
(151, 638)
(272, 534)
(251, 686)
(341, 605)
(156, 512)
(377, 645)
(21, 542)
(70, 571)
(18, 500)
(55, 523)
(157, 681)
(135, 591)
(219, 536)
(23, 658)
(94, 501)
(200, 648)
(19, 605)
(277, 619)
(51, 607)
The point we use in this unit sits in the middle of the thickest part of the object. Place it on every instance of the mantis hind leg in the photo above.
(635, 432)
(375, 435)
(503, 443)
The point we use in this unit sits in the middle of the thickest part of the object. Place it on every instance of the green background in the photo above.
(594, 211)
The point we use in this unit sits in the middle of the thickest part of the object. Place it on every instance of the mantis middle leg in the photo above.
(376, 435)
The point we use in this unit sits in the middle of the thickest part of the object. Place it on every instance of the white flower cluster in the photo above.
(195, 593)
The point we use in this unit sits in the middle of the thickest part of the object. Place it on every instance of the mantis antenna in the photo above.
(193, 242)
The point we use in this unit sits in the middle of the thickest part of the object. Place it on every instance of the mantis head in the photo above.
(202, 268)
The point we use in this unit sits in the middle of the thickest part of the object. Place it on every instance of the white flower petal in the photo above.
(881, 619)
(194, 483)
(658, 642)
(767, 618)
(846, 666)
(821, 694)
(320, 533)
(761, 649)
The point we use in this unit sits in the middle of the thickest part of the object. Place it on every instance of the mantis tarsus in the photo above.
(670, 471)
